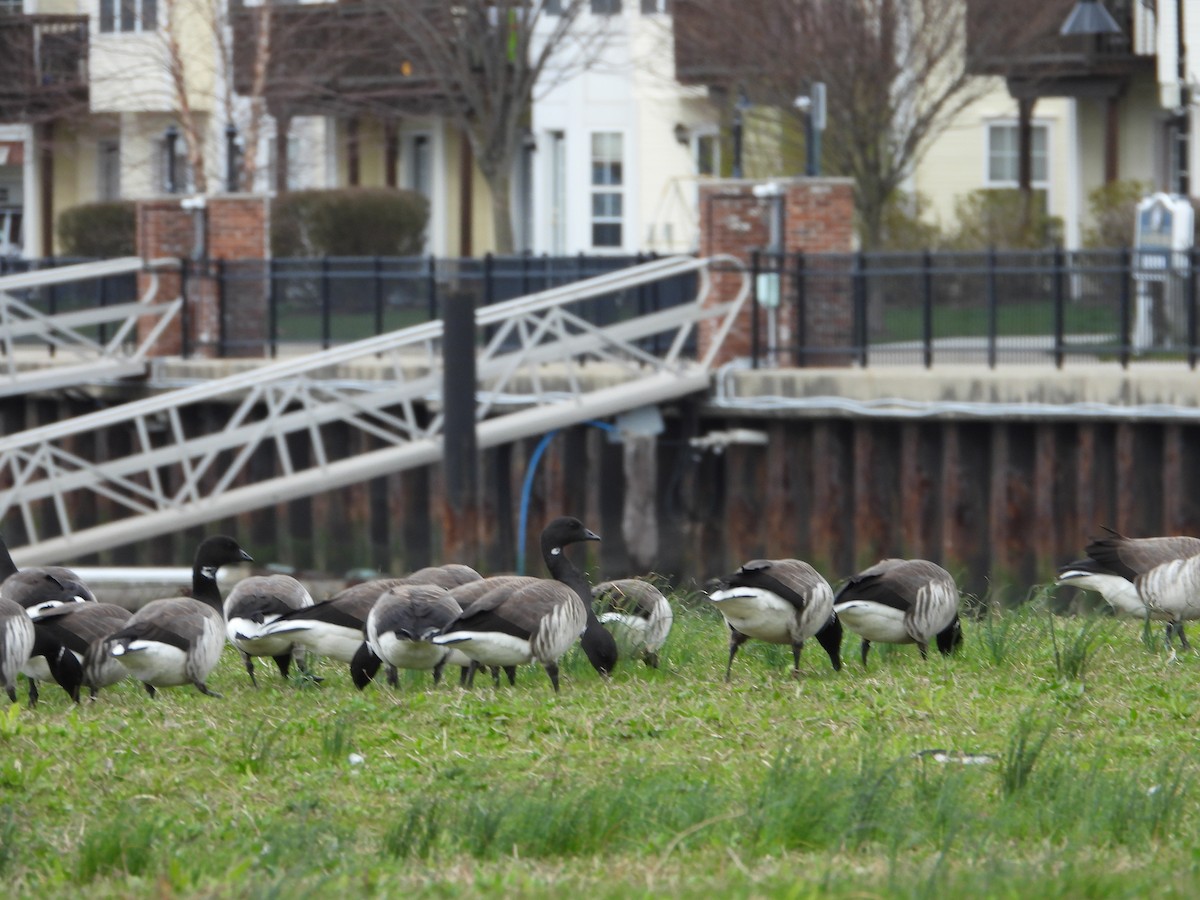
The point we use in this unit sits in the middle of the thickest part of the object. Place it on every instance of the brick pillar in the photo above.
(236, 227)
(818, 218)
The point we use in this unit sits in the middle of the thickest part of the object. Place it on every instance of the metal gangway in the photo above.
(48, 350)
(542, 365)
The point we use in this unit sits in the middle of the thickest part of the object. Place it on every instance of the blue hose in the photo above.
(527, 486)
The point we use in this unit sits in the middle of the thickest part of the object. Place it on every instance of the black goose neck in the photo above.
(204, 585)
(7, 566)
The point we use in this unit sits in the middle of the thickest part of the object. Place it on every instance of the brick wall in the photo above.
(818, 218)
(235, 228)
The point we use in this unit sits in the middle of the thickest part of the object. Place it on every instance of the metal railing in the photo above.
(989, 307)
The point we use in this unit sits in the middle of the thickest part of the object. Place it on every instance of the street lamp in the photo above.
(1183, 122)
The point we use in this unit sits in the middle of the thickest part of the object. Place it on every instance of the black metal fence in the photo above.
(269, 305)
(985, 307)
(989, 307)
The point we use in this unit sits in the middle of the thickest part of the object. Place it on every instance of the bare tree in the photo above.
(896, 74)
(484, 59)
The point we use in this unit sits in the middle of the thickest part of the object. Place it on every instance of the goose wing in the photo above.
(793, 580)
(76, 626)
(1131, 557)
(873, 585)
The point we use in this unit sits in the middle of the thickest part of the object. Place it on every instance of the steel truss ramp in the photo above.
(543, 366)
(29, 337)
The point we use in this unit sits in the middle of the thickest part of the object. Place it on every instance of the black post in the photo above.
(432, 299)
(460, 450)
(860, 307)
(1123, 309)
(992, 303)
(185, 324)
(755, 268)
(378, 269)
(326, 304)
(801, 312)
(231, 159)
(1190, 299)
(927, 308)
(222, 313)
(272, 309)
(1059, 306)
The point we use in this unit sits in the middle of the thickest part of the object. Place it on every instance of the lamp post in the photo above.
(1183, 121)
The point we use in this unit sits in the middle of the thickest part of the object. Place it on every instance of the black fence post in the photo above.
(755, 268)
(222, 313)
(801, 311)
(326, 305)
(185, 323)
(1059, 305)
(489, 287)
(927, 308)
(102, 298)
(859, 293)
(1126, 275)
(378, 268)
(460, 447)
(1190, 300)
(992, 303)
(431, 287)
(272, 308)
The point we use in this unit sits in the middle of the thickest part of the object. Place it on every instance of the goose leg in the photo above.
(249, 661)
(866, 648)
(796, 648)
(511, 672)
(464, 675)
(149, 688)
(393, 676)
(12, 693)
(552, 671)
(1183, 641)
(924, 648)
(651, 659)
(204, 689)
(437, 671)
(33, 693)
(736, 639)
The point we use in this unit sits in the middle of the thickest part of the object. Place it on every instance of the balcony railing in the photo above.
(43, 67)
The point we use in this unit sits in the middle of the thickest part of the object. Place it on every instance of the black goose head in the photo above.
(950, 638)
(214, 552)
(562, 531)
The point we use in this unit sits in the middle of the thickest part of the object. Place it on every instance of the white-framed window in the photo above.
(654, 7)
(608, 189)
(606, 7)
(1003, 155)
(128, 15)
(108, 169)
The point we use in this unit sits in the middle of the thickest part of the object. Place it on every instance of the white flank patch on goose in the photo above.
(334, 641)
(874, 621)
(247, 635)
(756, 613)
(408, 654)
(38, 668)
(1120, 593)
(163, 665)
(491, 648)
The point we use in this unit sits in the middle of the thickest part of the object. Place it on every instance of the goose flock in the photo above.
(52, 628)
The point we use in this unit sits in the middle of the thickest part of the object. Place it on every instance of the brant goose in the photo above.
(639, 611)
(259, 600)
(1164, 573)
(902, 601)
(538, 621)
(69, 647)
(780, 601)
(178, 640)
(26, 587)
(16, 643)
(400, 629)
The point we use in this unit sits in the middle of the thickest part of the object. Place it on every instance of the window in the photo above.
(708, 154)
(607, 197)
(420, 167)
(650, 7)
(10, 6)
(109, 170)
(1003, 155)
(128, 15)
(553, 7)
(175, 174)
(606, 7)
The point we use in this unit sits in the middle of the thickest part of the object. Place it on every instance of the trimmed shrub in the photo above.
(1112, 208)
(348, 222)
(998, 218)
(99, 230)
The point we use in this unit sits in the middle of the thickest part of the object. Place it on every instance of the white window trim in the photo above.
(1043, 184)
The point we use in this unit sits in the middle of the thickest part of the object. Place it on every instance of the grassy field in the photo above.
(660, 783)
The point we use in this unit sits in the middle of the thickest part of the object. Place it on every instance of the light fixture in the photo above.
(1089, 17)
(682, 135)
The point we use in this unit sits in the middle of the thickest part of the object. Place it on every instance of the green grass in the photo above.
(660, 783)
(1012, 319)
